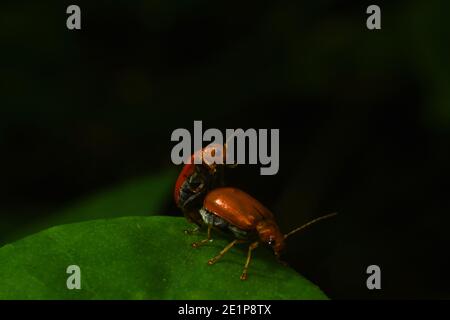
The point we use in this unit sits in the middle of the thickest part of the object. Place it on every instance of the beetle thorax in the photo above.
(269, 233)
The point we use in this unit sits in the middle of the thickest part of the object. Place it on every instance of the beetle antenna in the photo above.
(310, 223)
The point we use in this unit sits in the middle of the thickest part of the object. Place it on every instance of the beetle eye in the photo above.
(271, 242)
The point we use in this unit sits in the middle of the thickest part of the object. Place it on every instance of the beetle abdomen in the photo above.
(214, 220)
(236, 207)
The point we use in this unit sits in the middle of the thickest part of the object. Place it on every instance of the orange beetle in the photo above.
(195, 180)
(239, 214)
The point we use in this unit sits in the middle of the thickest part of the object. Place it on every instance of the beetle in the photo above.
(195, 180)
(235, 212)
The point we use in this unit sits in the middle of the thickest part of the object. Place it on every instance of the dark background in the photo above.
(364, 119)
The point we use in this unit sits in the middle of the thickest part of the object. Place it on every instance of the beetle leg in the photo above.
(201, 242)
(253, 246)
(225, 250)
(196, 189)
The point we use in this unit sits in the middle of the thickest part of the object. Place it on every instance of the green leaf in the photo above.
(137, 197)
(141, 258)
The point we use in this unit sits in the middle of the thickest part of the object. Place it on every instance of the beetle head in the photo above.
(269, 233)
(211, 157)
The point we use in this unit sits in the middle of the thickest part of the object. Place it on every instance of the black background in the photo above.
(364, 119)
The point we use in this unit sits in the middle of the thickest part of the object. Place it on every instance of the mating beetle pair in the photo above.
(201, 195)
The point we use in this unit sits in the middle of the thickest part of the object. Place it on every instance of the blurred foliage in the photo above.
(139, 197)
(140, 258)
